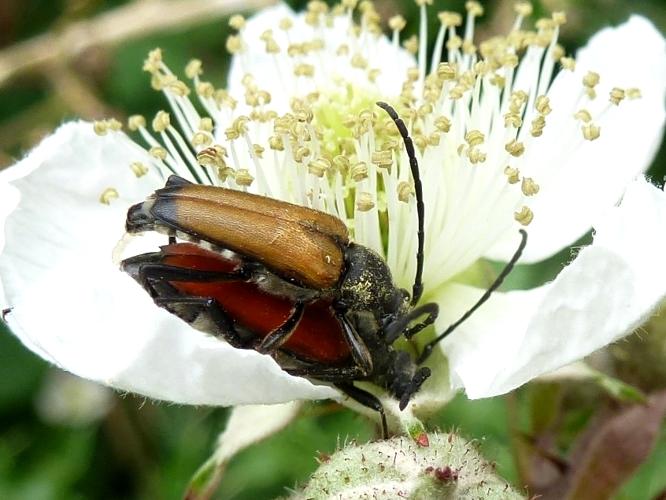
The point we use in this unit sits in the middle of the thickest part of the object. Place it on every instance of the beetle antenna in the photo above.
(417, 289)
(427, 350)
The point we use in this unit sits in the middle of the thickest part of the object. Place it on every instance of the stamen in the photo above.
(108, 195)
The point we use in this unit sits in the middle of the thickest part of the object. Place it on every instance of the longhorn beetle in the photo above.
(286, 281)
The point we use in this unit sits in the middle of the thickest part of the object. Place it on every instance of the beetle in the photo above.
(287, 281)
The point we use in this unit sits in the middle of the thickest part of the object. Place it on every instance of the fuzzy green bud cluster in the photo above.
(448, 468)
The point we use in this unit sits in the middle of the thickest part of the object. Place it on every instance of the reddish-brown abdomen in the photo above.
(317, 337)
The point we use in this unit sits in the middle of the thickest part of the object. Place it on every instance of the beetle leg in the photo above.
(366, 399)
(149, 272)
(394, 329)
(276, 338)
(326, 373)
(359, 351)
(225, 326)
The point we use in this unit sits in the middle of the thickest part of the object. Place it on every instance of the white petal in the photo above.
(579, 179)
(72, 306)
(609, 290)
(248, 425)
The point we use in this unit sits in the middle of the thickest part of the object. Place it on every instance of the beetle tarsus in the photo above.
(5, 312)
(368, 400)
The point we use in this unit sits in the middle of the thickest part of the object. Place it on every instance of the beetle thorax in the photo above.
(367, 285)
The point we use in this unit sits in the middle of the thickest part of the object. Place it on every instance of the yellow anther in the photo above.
(468, 47)
(542, 105)
(223, 98)
(512, 119)
(135, 122)
(633, 93)
(240, 124)
(237, 22)
(234, 44)
(373, 74)
(108, 195)
(201, 139)
(538, 124)
(498, 81)
(529, 187)
(568, 63)
(243, 177)
(509, 60)
(349, 4)
(512, 174)
(591, 79)
(421, 3)
(457, 92)
(206, 124)
(343, 50)
(558, 52)
(525, 216)
(559, 18)
(272, 46)
(443, 123)
(300, 153)
(224, 172)
(161, 122)
(523, 9)
(515, 148)
(474, 8)
(178, 88)
(212, 156)
(449, 19)
(341, 163)
(231, 133)
(591, 131)
(319, 167)
(114, 124)
(617, 95)
(158, 152)
(304, 69)
(434, 139)
(138, 169)
(383, 158)
(364, 202)
(413, 74)
(153, 62)
(583, 115)
(358, 61)
(286, 24)
(205, 89)
(258, 150)
(193, 69)
(474, 137)
(405, 191)
(454, 43)
(359, 171)
(544, 24)
(411, 45)
(397, 23)
(100, 127)
(276, 143)
(476, 156)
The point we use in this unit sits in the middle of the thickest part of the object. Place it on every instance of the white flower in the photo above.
(500, 146)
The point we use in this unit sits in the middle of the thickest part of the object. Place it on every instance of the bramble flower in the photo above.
(510, 133)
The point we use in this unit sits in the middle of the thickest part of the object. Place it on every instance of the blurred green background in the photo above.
(144, 450)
